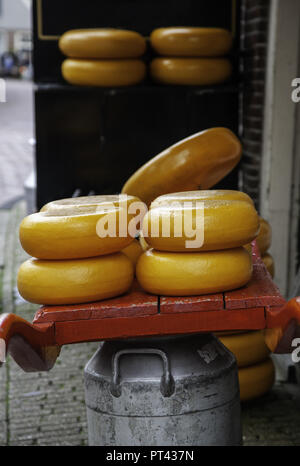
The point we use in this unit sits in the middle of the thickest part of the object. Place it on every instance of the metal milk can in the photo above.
(180, 390)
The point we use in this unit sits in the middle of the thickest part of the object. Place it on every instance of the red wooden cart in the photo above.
(258, 305)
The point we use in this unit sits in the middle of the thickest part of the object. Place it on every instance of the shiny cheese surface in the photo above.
(249, 348)
(103, 73)
(87, 204)
(225, 223)
(75, 281)
(256, 380)
(102, 43)
(190, 71)
(191, 41)
(73, 232)
(184, 274)
(197, 162)
(201, 195)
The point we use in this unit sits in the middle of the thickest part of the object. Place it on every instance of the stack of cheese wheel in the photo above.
(191, 55)
(76, 246)
(255, 367)
(176, 264)
(103, 57)
(219, 265)
(263, 241)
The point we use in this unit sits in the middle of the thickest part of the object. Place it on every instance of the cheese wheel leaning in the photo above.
(102, 43)
(190, 71)
(248, 348)
(75, 281)
(103, 73)
(256, 380)
(207, 225)
(197, 162)
(191, 41)
(182, 274)
(77, 232)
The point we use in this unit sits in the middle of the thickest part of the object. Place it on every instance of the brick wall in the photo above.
(254, 36)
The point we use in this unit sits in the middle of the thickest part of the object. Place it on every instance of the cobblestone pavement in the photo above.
(16, 129)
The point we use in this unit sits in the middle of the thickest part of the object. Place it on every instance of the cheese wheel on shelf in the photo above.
(212, 225)
(103, 73)
(76, 233)
(197, 162)
(102, 43)
(187, 274)
(190, 71)
(133, 251)
(191, 41)
(248, 348)
(201, 195)
(75, 281)
(256, 380)
(269, 263)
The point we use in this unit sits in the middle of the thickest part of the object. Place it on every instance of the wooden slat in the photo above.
(260, 291)
(171, 304)
(135, 303)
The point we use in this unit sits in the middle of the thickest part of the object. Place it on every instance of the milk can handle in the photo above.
(167, 385)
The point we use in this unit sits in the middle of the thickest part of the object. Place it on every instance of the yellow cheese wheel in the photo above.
(105, 73)
(256, 380)
(269, 263)
(248, 348)
(133, 251)
(201, 195)
(87, 204)
(102, 43)
(264, 237)
(225, 223)
(182, 274)
(76, 233)
(197, 162)
(75, 281)
(191, 41)
(190, 71)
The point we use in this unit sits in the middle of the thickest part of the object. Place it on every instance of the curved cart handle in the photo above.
(283, 326)
(33, 348)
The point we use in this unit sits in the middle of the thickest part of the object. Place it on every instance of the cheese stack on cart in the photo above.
(103, 57)
(177, 266)
(75, 259)
(191, 55)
